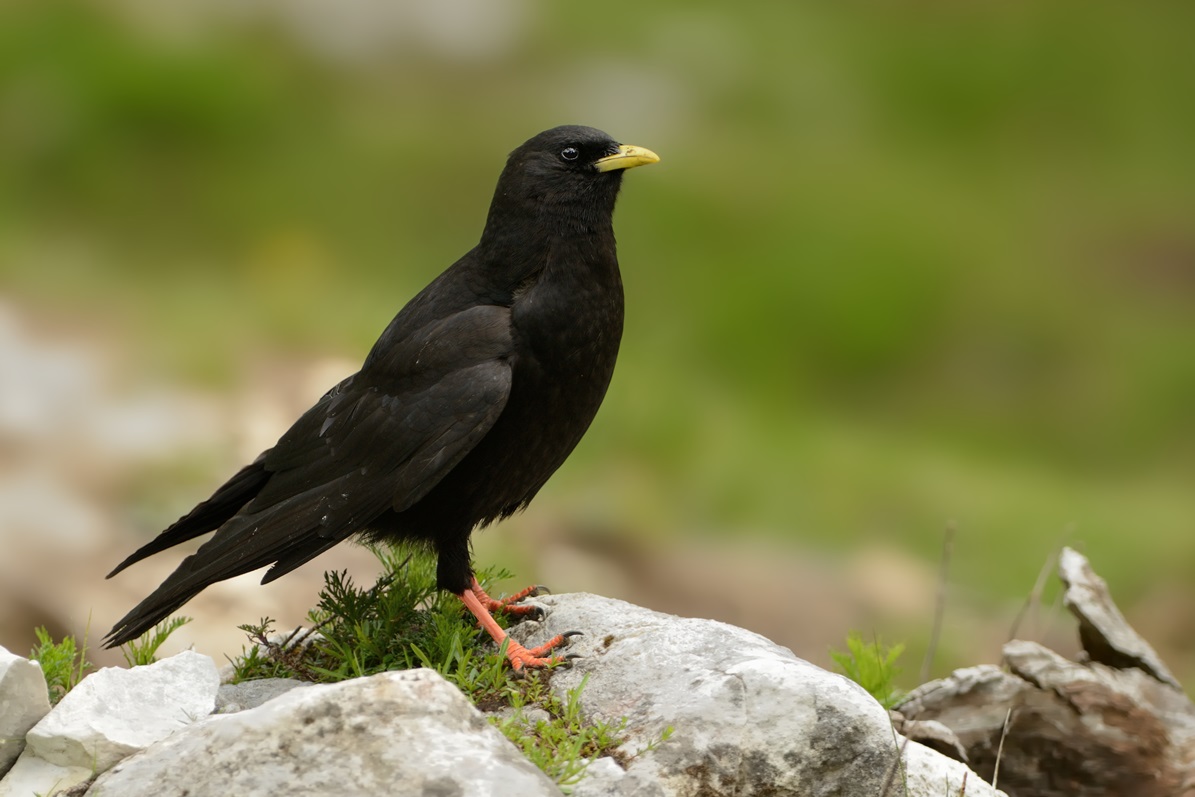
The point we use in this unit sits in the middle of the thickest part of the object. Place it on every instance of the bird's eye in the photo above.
(570, 153)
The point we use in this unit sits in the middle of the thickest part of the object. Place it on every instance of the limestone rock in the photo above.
(250, 694)
(927, 772)
(397, 733)
(23, 701)
(601, 778)
(748, 717)
(34, 776)
(114, 712)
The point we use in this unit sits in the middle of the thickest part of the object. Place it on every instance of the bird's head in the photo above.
(572, 169)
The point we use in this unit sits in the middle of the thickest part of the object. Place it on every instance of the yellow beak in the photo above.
(627, 157)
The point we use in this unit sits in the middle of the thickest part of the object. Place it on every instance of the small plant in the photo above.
(272, 655)
(872, 665)
(563, 744)
(402, 622)
(63, 663)
(143, 650)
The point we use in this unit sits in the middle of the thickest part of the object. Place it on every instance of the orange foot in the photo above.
(508, 605)
(480, 605)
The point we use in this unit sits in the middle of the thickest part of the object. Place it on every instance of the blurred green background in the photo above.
(901, 263)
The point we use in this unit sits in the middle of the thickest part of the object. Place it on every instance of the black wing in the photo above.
(380, 440)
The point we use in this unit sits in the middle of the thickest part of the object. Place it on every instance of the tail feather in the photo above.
(151, 611)
(285, 535)
(244, 544)
(209, 515)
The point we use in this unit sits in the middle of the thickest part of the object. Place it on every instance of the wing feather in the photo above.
(379, 440)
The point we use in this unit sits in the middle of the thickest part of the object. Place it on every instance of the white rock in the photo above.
(398, 733)
(748, 717)
(929, 772)
(601, 777)
(32, 775)
(115, 712)
(23, 701)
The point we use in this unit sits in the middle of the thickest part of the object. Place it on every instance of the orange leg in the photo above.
(480, 605)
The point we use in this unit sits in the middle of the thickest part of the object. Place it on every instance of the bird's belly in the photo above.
(544, 419)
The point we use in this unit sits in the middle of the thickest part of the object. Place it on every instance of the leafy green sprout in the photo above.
(63, 663)
(872, 665)
(144, 649)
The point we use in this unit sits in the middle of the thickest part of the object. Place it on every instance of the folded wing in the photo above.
(380, 440)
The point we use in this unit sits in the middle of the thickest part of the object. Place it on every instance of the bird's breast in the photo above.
(569, 333)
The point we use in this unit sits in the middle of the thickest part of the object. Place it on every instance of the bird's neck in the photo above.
(519, 242)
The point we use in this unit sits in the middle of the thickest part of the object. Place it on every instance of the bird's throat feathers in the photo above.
(579, 260)
(519, 216)
(528, 235)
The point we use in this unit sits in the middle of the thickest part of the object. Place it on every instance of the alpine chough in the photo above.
(471, 398)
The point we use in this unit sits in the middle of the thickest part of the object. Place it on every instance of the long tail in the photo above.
(207, 516)
(283, 536)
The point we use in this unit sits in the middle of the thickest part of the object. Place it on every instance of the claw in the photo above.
(568, 634)
(558, 641)
(480, 605)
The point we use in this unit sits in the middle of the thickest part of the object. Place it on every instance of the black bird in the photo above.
(472, 397)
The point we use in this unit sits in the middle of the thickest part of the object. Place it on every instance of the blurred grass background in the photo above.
(901, 263)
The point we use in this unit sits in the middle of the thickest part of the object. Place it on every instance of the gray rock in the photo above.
(114, 712)
(935, 736)
(1063, 728)
(1107, 637)
(398, 733)
(1113, 723)
(250, 694)
(23, 701)
(749, 717)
